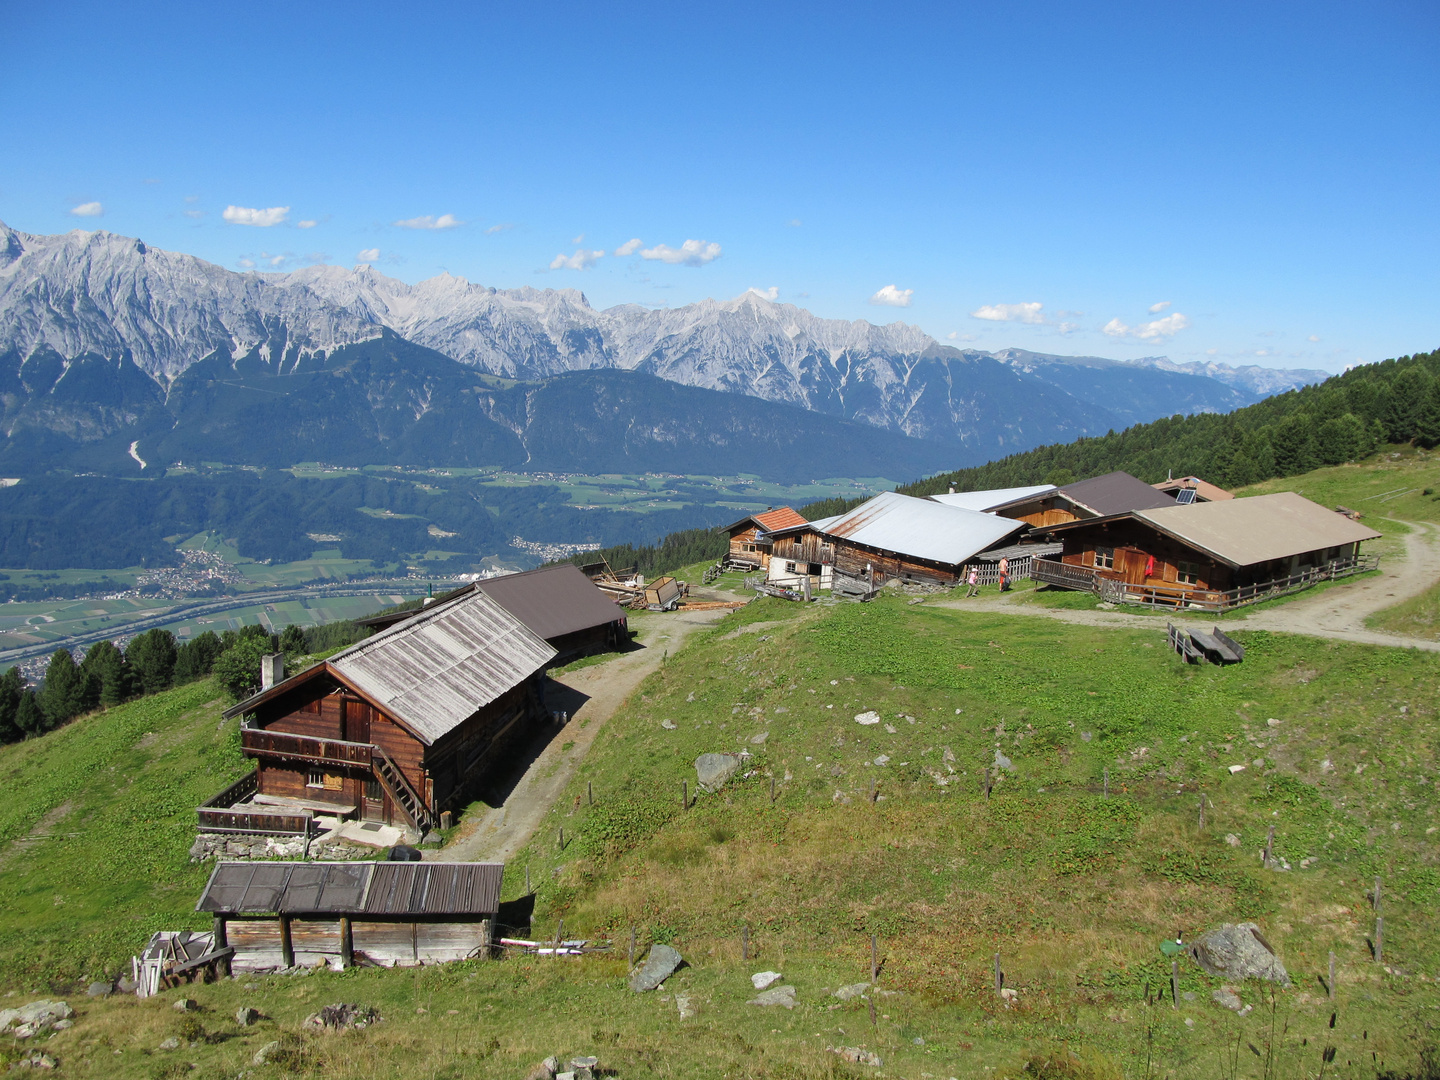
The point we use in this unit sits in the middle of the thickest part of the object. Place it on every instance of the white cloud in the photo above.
(794, 223)
(890, 296)
(690, 253)
(629, 247)
(277, 261)
(1155, 309)
(194, 213)
(581, 260)
(1021, 313)
(429, 221)
(369, 255)
(577, 240)
(88, 209)
(244, 215)
(1169, 326)
(307, 224)
(503, 227)
(246, 264)
(955, 335)
(1313, 337)
(1069, 327)
(772, 293)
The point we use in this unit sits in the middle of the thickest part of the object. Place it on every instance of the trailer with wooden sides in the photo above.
(275, 915)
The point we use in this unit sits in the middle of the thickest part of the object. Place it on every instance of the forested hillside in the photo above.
(1339, 420)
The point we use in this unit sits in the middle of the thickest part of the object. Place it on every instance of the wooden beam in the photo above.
(221, 941)
(347, 942)
(287, 947)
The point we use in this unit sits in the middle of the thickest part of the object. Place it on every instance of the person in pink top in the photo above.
(974, 582)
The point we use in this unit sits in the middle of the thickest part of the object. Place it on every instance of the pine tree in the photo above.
(12, 688)
(196, 658)
(30, 717)
(152, 659)
(63, 694)
(106, 663)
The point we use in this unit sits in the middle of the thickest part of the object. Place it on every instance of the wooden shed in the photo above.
(1100, 496)
(1214, 555)
(390, 914)
(750, 536)
(393, 729)
(558, 603)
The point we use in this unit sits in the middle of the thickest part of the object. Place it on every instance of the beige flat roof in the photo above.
(1243, 532)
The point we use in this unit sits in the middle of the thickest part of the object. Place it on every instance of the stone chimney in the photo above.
(272, 670)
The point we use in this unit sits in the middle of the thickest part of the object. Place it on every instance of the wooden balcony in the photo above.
(282, 744)
(1066, 576)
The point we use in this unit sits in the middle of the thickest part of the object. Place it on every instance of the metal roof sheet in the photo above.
(1243, 532)
(552, 601)
(919, 528)
(433, 671)
(372, 888)
(989, 500)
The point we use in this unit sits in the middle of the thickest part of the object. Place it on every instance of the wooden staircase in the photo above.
(401, 793)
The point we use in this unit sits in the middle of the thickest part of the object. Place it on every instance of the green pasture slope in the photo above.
(1072, 888)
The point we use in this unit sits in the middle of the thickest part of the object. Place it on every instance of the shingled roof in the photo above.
(780, 518)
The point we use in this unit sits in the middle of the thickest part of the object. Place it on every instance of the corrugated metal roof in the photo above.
(433, 671)
(372, 888)
(918, 528)
(1243, 532)
(989, 500)
(1115, 493)
(552, 601)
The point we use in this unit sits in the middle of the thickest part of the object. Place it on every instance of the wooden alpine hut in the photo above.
(750, 540)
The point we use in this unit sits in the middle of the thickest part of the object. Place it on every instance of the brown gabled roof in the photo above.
(552, 601)
(780, 518)
(1115, 493)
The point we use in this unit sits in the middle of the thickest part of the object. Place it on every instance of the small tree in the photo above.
(238, 669)
(195, 659)
(12, 688)
(66, 689)
(30, 717)
(152, 659)
(292, 640)
(105, 663)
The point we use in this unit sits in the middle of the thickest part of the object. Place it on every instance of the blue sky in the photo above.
(1253, 183)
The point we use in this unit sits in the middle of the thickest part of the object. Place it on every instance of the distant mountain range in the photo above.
(113, 353)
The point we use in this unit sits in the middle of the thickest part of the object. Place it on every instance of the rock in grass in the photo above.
(545, 1070)
(783, 996)
(99, 989)
(341, 1017)
(1227, 998)
(712, 770)
(1238, 951)
(247, 1016)
(36, 1059)
(266, 1052)
(186, 1004)
(36, 1017)
(171, 1043)
(856, 1055)
(868, 718)
(763, 980)
(658, 966)
(686, 1005)
(854, 990)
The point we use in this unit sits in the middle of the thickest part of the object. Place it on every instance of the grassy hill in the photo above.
(1073, 887)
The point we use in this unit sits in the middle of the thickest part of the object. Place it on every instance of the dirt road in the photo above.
(1338, 612)
(590, 695)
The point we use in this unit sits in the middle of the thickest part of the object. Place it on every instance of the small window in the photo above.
(316, 778)
(1104, 558)
(372, 790)
(1187, 573)
(790, 568)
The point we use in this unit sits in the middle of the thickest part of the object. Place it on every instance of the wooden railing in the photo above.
(283, 744)
(255, 820)
(1085, 579)
(241, 789)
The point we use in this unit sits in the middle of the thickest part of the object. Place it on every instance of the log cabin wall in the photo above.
(807, 547)
(1042, 513)
(1132, 544)
(457, 761)
(852, 559)
(743, 548)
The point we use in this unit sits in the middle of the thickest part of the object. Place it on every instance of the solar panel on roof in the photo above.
(1185, 496)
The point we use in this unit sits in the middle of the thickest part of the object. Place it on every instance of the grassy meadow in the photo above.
(1072, 885)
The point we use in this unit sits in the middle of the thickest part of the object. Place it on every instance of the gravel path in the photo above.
(1339, 612)
(591, 695)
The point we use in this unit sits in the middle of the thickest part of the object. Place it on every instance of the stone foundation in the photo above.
(221, 846)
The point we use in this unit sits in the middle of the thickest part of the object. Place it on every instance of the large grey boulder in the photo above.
(780, 995)
(658, 966)
(1238, 951)
(713, 770)
(34, 1018)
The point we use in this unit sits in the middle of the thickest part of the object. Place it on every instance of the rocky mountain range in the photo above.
(96, 329)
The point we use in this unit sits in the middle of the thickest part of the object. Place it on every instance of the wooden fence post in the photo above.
(999, 976)
(559, 932)
(347, 942)
(1202, 810)
(684, 795)
(1331, 984)
(873, 783)
(287, 946)
(772, 789)
(874, 961)
(590, 792)
(1107, 783)
(1175, 984)
(1379, 939)
(632, 946)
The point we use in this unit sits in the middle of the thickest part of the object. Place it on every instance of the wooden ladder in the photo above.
(401, 792)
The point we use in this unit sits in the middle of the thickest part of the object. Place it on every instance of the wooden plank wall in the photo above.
(804, 547)
(459, 759)
(390, 944)
(852, 560)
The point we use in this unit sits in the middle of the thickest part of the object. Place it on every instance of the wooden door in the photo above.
(1130, 564)
(357, 721)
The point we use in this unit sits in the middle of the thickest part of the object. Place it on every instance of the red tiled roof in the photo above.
(782, 518)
